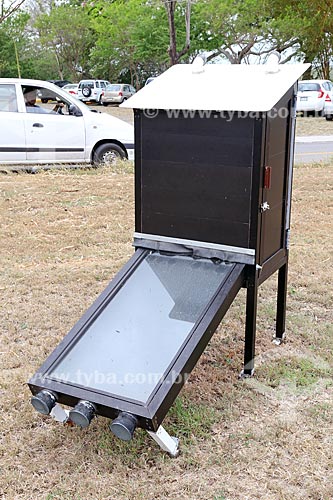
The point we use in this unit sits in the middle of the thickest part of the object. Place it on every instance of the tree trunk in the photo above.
(170, 6)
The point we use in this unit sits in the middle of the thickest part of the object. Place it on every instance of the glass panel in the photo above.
(132, 342)
(8, 98)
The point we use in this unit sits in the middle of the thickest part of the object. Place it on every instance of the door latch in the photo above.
(264, 206)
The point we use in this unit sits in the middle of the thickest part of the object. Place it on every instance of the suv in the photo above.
(315, 96)
(91, 90)
(46, 96)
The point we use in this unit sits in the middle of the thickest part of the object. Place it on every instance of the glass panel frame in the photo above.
(127, 349)
(151, 412)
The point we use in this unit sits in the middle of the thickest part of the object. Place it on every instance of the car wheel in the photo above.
(86, 91)
(329, 117)
(105, 103)
(109, 153)
(44, 101)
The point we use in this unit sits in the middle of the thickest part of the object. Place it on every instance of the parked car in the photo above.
(117, 93)
(91, 90)
(35, 133)
(315, 96)
(71, 88)
(46, 96)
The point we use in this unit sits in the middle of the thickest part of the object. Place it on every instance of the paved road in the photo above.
(314, 148)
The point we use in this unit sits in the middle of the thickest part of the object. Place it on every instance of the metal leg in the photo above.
(250, 325)
(281, 303)
(165, 441)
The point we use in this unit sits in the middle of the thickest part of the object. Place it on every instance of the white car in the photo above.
(64, 131)
(71, 88)
(92, 90)
(315, 97)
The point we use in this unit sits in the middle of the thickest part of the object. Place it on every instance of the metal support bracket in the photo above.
(165, 441)
(59, 414)
(244, 375)
(279, 340)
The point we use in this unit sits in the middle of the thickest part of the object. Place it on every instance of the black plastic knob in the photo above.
(124, 426)
(44, 401)
(82, 414)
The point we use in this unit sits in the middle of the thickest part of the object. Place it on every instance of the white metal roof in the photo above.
(222, 87)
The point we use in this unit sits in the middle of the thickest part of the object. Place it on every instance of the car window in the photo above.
(132, 89)
(86, 84)
(103, 85)
(34, 103)
(97, 85)
(114, 88)
(308, 87)
(326, 86)
(8, 101)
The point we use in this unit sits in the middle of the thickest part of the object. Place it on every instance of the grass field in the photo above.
(63, 236)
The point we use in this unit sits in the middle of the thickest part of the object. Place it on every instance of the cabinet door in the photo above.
(273, 205)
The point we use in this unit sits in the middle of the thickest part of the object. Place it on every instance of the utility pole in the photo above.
(17, 60)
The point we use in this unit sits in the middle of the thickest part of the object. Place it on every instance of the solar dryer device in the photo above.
(213, 179)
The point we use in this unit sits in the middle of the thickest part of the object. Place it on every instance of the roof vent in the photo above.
(198, 64)
(272, 62)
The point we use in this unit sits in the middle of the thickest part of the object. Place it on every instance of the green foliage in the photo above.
(11, 38)
(128, 40)
(132, 40)
(65, 34)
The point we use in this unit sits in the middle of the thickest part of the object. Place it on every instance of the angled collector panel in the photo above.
(134, 347)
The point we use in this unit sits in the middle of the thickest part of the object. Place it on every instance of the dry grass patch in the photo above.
(310, 125)
(64, 235)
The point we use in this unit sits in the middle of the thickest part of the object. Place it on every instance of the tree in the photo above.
(170, 6)
(244, 30)
(17, 55)
(66, 33)
(132, 40)
(7, 9)
(316, 41)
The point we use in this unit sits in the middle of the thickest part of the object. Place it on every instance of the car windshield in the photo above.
(113, 88)
(308, 87)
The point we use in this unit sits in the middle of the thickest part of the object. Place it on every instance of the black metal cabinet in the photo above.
(202, 178)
